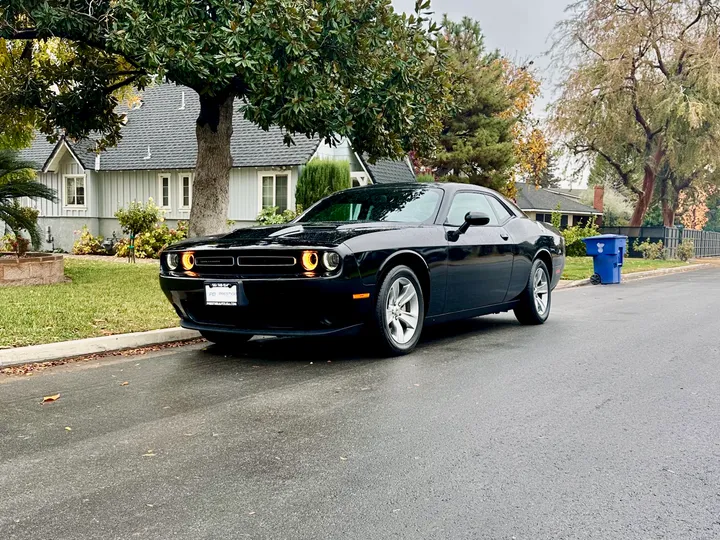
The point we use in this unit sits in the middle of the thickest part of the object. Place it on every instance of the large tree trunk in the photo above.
(211, 184)
(648, 188)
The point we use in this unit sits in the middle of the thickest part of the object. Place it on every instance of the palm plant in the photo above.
(17, 181)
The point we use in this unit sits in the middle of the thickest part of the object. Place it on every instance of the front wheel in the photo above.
(227, 340)
(535, 300)
(399, 312)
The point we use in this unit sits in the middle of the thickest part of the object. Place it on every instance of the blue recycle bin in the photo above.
(608, 253)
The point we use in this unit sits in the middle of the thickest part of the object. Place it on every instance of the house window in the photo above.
(164, 189)
(74, 191)
(547, 218)
(186, 186)
(275, 191)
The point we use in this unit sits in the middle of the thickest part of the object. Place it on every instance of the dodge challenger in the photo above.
(385, 259)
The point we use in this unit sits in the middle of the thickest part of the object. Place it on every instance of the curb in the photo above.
(635, 276)
(83, 347)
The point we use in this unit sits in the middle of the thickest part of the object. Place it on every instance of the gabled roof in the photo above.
(386, 171)
(160, 135)
(531, 198)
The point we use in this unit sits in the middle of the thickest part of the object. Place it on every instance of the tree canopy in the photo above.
(320, 68)
(489, 138)
(640, 90)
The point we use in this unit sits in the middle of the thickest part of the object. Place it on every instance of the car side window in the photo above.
(465, 202)
(501, 212)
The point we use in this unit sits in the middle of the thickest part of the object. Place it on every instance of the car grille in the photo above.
(246, 264)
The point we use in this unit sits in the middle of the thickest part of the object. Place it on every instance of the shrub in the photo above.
(574, 246)
(320, 178)
(425, 178)
(21, 219)
(87, 244)
(148, 245)
(138, 218)
(653, 251)
(15, 243)
(270, 216)
(686, 250)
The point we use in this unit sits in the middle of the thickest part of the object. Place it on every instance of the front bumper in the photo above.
(275, 307)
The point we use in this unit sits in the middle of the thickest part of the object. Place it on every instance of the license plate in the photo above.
(221, 294)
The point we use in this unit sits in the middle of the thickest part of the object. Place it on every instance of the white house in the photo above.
(156, 157)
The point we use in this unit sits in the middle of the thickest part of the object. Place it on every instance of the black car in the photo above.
(390, 259)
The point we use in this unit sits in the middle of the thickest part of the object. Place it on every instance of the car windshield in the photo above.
(403, 205)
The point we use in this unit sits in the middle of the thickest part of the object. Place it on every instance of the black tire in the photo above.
(227, 340)
(595, 279)
(528, 311)
(387, 344)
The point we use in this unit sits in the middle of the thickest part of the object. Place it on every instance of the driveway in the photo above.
(603, 423)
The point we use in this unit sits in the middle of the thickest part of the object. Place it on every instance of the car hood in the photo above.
(291, 235)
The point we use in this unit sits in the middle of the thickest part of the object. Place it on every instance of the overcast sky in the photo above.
(518, 28)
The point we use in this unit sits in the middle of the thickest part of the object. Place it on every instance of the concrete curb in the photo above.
(635, 276)
(83, 347)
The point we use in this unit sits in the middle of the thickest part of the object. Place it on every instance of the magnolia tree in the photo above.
(639, 90)
(316, 68)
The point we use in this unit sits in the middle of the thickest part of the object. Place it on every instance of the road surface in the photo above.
(603, 423)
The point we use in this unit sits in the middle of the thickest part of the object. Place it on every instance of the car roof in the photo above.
(449, 187)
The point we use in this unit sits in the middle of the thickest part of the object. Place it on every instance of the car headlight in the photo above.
(331, 261)
(310, 260)
(188, 260)
(172, 260)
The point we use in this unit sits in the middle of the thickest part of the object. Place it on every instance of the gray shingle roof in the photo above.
(38, 153)
(531, 198)
(169, 132)
(386, 171)
(165, 131)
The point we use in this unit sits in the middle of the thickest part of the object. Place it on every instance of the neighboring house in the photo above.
(156, 157)
(539, 204)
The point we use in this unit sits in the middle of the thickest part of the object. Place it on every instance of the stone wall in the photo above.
(35, 269)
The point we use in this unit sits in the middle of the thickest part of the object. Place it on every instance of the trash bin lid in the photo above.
(605, 237)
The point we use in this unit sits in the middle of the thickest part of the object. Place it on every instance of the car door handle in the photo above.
(504, 236)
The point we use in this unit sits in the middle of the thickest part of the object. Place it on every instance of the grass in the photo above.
(582, 267)
(104, 298)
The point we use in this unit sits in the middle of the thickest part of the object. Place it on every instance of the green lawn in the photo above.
(104, 298)
(582, 267)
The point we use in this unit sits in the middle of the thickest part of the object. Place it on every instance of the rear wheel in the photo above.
(399, 312)
(535, 300)
(227, 340)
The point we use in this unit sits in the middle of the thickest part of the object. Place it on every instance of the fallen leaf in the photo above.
(48, 399)
(125, 383)
(68, 428)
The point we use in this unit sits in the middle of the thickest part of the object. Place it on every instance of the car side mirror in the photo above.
(472, 219)
(476, 219)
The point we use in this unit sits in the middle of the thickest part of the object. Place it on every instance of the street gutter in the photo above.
(635, 276)
(85, 347)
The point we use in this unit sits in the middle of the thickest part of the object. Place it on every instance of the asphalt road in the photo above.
(603, 423)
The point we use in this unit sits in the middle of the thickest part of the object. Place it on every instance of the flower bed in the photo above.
(31, 269)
